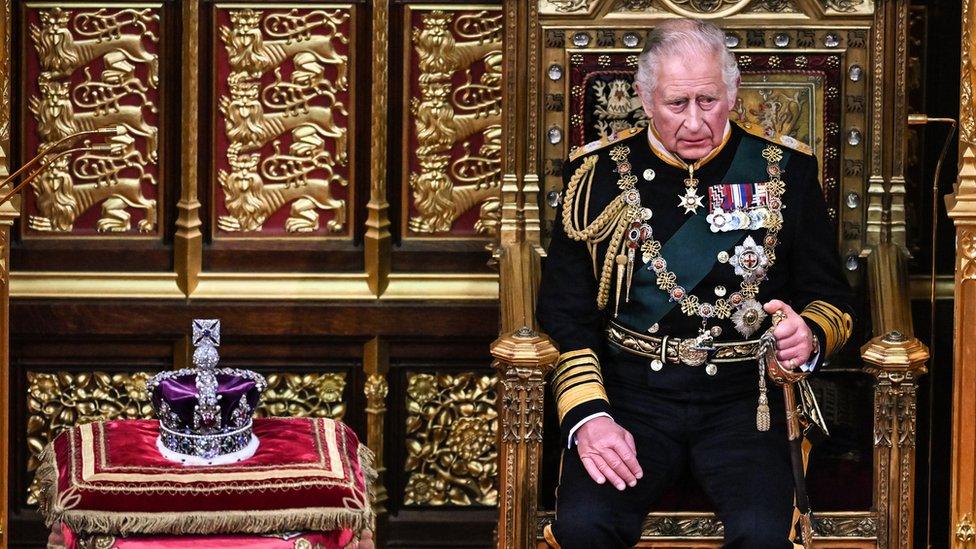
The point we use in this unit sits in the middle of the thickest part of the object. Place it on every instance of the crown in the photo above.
(205, 413)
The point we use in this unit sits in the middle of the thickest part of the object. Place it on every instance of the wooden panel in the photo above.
(81, 67)
(451, 427)
(452, 117)
(446, 124)
(282, 87)
(92, 68)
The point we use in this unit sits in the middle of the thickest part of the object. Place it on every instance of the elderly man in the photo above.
(673, 247)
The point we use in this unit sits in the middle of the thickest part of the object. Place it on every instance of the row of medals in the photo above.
(750, 260)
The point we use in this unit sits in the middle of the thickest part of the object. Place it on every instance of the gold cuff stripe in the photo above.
(581, 366)
(589, 369)
(831, 331)
(835, 324)
(573, 354)
(578, 379)
(572, 360)
(578, 395)
(575, 362)
(569, 388)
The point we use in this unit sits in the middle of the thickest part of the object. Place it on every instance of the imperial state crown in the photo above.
(205, 413)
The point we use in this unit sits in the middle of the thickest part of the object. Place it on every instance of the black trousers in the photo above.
(745, 473)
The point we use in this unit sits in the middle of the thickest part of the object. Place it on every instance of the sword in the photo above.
(794, 434)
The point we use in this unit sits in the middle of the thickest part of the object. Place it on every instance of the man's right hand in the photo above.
(608, 452)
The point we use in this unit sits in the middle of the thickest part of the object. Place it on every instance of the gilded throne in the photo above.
(811, 71)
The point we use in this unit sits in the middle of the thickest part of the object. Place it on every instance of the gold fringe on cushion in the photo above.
(219, 522)
(57, 507)
(367, 464)
(47, 480)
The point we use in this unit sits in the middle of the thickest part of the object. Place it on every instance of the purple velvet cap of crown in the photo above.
(180, 395)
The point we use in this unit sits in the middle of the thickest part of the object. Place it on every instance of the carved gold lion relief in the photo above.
(285, 121)
(95, 68)
(454, 122)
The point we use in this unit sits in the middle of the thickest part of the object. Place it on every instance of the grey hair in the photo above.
(683, 36)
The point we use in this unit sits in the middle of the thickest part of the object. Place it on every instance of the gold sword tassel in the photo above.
(621, 265)
(630, 272)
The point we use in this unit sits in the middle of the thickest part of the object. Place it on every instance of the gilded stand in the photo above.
(522, 358)
(896, 361)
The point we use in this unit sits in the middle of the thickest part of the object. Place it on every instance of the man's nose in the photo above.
(694, 118)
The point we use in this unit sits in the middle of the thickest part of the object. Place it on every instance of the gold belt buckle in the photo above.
(690, 355)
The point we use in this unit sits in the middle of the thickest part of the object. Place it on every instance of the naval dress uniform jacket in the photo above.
(681, 415)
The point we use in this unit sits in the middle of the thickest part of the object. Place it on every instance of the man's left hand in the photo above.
(794, 340)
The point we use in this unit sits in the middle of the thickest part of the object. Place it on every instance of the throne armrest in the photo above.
(522, 358)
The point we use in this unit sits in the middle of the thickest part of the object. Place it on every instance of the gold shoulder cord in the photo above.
(611, 221)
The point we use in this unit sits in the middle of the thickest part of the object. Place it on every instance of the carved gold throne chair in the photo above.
(810, 70)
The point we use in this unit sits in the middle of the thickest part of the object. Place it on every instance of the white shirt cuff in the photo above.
(809, 366)
(571, 439)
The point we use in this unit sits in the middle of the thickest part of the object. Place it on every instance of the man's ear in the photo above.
(734, 92)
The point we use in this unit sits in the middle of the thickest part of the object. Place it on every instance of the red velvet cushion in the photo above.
(307, 475)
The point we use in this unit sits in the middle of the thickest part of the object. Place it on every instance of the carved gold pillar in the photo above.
(188, 240)
(376, 364)
(961, 206)
(895, 357)
(522, 358)
(885, 225)
(519, 251)
(896, 361)
(377, 238)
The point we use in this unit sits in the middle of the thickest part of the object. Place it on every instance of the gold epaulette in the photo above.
(836, 324)
(784, 140)
(602, 142)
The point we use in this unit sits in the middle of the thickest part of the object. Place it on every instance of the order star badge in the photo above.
(690, 201)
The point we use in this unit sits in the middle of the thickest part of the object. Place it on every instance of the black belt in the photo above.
(673, 350)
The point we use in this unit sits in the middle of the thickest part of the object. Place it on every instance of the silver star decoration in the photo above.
(748, 317)
(690, 201)
(748, 259)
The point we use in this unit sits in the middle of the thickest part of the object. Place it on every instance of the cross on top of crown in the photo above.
(206, 332)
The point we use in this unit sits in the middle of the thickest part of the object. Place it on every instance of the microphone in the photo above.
(60, 148)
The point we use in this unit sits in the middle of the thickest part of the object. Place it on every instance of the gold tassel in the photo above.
(630, 272)
(762, 409)
(621, 262)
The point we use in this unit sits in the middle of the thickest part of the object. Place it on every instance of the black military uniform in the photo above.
(653, 289)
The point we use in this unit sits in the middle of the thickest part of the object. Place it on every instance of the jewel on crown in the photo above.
(205, 412)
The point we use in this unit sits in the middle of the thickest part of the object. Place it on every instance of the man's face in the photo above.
(690, 105)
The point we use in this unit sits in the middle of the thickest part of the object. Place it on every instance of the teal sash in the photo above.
(691, 252)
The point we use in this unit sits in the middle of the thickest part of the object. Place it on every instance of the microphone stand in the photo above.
(63, 147)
